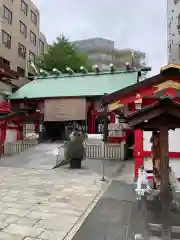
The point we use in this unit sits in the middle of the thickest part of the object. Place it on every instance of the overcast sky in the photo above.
(138, 24)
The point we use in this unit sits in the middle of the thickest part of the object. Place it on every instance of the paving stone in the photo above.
(11, 219)
(176, 229)
(3, 217)
(24, 231)
(27, 221)
(41, 215)
(59, 224)
(17, 206)
(15, 211)
(30, 238)
(9, 199)
(52, 235)
(57, 197)
(3, 225)
(6, 236)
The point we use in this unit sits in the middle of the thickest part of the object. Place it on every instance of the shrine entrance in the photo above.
(54, 131)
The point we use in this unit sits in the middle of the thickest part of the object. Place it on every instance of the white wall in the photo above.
(11, 135)
(174, 140)
(174, 163)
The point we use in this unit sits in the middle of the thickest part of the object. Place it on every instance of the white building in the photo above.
(102, 52)
(173, 30)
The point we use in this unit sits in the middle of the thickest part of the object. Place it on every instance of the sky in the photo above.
(137, 24)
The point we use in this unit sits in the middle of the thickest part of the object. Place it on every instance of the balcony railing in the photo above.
(6, 71)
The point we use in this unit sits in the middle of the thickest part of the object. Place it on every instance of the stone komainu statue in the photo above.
(155, 140)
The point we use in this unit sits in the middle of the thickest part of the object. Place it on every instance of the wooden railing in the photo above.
(16, 147)
(104, 151)
(5, 70)
(13, 148)
(95, 151)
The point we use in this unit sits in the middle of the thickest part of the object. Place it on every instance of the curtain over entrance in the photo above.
(65, 109)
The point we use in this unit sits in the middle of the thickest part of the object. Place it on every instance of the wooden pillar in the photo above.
(3, 137)
(36, 125)
(164, 187)
(113, 117)
(92, 122)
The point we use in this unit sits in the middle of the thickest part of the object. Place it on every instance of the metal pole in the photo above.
(105, 137)
(102, 171)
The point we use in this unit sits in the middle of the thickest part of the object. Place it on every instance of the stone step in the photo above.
(155, 232)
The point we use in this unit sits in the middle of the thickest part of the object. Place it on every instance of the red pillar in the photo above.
(138, 151)
(113, 118)
(36, 125)
(3, 137)
(92, 123)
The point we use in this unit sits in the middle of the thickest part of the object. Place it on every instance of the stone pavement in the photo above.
(44, 204)
(118, 215)
(40, 157)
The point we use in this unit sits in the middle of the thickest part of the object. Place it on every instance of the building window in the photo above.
(21, 50)
(23, 29)
(6, 39)
(33, 17)
(24, 7)
(21, 72)
(33, 38)
(41, 46)
(179, 19)
(7, 15)
(32, 57)
(170, 49)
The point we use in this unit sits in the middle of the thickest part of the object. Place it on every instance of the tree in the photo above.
(60, 54)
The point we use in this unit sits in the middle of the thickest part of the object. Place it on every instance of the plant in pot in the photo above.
(75, 151)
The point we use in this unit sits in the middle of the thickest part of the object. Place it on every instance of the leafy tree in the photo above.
(60, 54)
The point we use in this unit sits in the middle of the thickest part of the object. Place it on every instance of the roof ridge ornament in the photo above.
(57, 72)
(96, 68)
(112, 68)
(83, 69)
(44, 73)
(70, 70)
(127, 66)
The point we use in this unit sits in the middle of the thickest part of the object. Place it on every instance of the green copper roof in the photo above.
(75, 86)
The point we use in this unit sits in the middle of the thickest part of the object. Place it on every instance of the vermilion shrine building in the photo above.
(53, 101)
(142, 95)
(8, 84)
